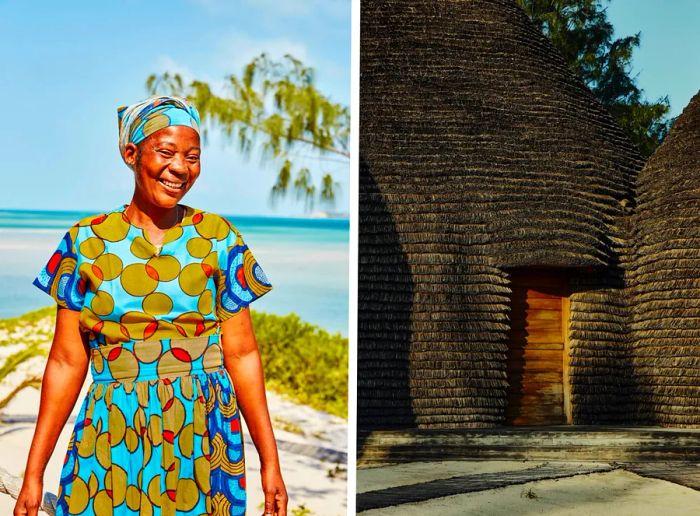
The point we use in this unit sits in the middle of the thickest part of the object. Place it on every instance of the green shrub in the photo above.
(23, 321)
(303, 361)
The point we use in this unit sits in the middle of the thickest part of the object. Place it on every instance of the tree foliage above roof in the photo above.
(581, 31)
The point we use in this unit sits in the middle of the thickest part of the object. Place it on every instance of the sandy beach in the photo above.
(584, 492)
(618, 493)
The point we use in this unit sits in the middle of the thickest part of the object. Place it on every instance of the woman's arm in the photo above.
(64, 375)
(242, 361)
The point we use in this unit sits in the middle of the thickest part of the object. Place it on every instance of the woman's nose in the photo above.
(178, 164)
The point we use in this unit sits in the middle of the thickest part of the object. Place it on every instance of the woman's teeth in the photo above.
(170, 184)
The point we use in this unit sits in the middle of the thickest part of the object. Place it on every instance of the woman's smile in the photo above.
(174, 186)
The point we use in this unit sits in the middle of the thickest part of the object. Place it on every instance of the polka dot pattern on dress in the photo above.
(159, 430)
(104, 262)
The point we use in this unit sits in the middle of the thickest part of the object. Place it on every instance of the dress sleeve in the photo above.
(60, 277)
(241, 280)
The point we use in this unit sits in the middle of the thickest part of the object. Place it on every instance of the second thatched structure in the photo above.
(665, 279)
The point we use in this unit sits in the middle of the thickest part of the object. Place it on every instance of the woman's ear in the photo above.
(130, 154)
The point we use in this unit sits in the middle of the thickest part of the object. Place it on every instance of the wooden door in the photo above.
(537, 366)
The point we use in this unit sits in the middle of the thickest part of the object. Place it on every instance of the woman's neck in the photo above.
(148, 216)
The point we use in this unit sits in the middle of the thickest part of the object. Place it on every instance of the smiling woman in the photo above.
(154, 296)
(169, 159)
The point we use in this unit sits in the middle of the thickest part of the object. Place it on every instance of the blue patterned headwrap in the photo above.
(140, 120)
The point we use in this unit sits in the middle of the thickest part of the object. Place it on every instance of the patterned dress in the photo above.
(158, 432)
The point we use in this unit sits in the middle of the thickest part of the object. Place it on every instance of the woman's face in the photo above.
(165, 164)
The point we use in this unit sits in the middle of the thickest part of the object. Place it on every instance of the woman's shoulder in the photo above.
(96, 219)
(99, 217)
(209, 224)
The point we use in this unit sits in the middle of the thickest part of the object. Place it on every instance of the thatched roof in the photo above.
(479, 151)
(666, 277)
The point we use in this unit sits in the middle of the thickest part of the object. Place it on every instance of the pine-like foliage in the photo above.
(581, 31)
(275, 106)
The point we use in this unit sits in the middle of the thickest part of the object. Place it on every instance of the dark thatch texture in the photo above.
(665, 281)
(480, 151)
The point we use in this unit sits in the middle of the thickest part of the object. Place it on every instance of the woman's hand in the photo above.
(29, 498)
(275, 492)
(64, 374)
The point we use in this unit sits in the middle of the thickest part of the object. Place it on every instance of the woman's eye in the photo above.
(165, 153)
(193, 159)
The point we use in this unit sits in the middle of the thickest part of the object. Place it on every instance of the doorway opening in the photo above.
(538, 351)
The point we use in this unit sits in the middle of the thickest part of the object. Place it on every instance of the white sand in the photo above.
(307, 479)
(384, 477)
(614, 493)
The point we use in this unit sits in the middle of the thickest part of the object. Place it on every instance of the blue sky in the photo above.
(66, 66)
(666, 62)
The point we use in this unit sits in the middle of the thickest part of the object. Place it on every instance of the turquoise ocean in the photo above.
(305, 259)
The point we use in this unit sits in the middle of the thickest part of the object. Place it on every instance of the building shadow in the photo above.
(385, 300)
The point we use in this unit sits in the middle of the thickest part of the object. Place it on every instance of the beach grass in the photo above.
(12, 328)
(302, 361)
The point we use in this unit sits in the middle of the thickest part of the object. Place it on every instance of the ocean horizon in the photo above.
(305, 258)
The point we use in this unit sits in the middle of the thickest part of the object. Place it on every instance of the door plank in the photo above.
(535, 367)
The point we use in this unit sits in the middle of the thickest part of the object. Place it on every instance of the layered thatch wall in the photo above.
(480, 151)
(602, 384)
(666, 278)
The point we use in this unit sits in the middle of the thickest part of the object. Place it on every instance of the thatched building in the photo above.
(665, 279)
(495, 202)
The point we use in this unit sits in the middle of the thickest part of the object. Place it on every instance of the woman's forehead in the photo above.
(146, 118)
(175, 136)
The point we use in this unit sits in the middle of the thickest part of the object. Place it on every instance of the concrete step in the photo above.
(593, 443)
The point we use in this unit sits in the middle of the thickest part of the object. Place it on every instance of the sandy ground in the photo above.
(374, 479)
(308, 480)
(614, 493)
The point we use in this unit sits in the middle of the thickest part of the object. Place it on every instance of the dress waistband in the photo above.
(154, 359)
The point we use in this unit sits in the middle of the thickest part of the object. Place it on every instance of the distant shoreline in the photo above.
(56, 219)
(319, 214)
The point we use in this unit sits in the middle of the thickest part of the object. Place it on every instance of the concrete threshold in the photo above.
(552, 443)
